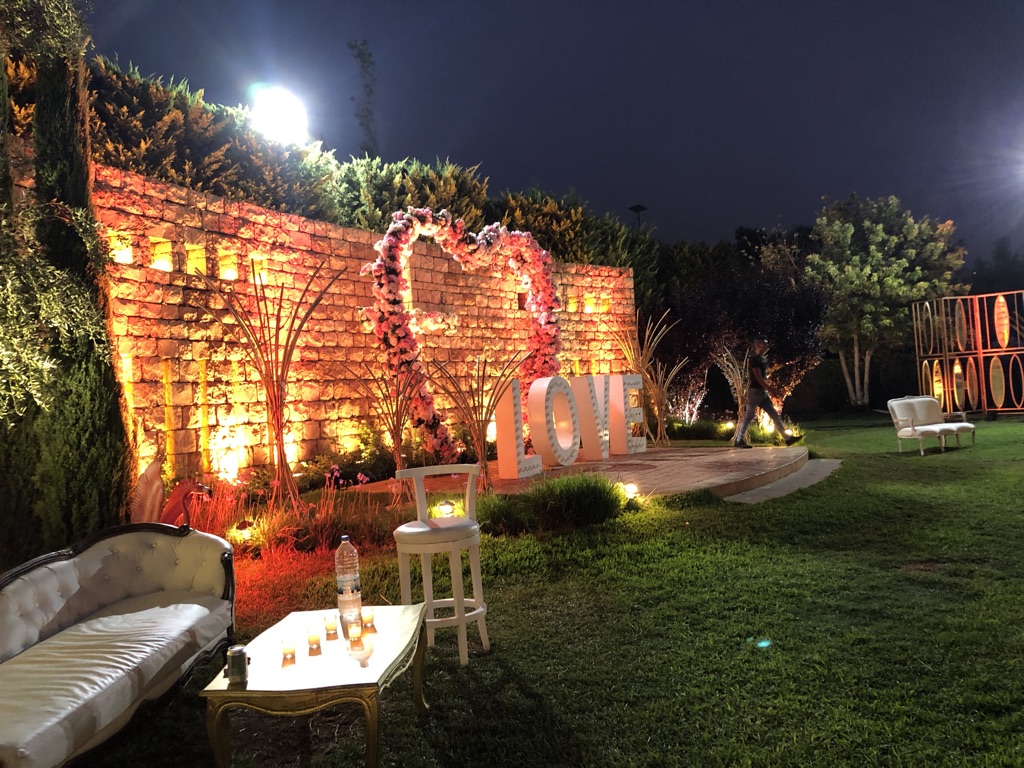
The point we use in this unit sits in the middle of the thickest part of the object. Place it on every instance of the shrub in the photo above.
(698, 430)
(507, 515)
(555, 504)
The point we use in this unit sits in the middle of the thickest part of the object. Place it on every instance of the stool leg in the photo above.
(428, 595)
(404, 578)
(455, 560)
(478, 594)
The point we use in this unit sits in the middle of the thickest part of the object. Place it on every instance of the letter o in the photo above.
(554, 421)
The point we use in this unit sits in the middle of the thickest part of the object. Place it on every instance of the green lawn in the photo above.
(873, 619)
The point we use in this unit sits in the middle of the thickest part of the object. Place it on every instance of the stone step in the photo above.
(813, 471)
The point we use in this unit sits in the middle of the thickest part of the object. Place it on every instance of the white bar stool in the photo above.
(426, 536)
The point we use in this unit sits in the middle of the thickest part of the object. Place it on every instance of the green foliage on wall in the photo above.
(558, 224)
(367, 191)
(170, 133)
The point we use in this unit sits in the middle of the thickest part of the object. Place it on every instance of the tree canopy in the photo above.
(873, 259)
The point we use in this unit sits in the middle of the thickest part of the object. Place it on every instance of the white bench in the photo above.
(919, 416)
(92, 631)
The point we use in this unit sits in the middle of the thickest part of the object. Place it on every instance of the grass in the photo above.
(872, 619)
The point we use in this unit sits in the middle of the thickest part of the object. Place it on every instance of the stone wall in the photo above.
(192, 391)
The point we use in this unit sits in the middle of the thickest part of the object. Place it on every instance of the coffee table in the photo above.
(314, 682)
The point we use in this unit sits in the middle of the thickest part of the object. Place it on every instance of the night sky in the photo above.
(714, 115)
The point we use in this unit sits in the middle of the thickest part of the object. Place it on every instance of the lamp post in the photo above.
(638, 209)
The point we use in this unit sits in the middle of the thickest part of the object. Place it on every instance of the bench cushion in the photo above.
(75, 688)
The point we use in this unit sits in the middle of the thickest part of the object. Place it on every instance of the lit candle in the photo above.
(367, 614)
(313, 637)
(355, 636)
(331, 625)
(288, 648)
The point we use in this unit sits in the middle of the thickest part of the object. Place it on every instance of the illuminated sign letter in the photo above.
(554, 421)
(622, 417)
(508, 416)
(593, 410)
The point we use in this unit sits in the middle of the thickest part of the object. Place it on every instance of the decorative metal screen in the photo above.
(969, 351)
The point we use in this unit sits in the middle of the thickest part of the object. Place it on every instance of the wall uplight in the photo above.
(195, 259)
(120, 247)
(162, 252)
(227, 265)
(259, 268)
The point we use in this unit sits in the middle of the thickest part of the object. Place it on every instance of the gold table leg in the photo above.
(370, 708)
(217, 732)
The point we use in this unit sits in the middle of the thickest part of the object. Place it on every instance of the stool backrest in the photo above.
(419, 473)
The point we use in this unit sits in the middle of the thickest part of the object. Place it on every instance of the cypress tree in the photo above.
(82, 477)
(61, 159)
(20, 529)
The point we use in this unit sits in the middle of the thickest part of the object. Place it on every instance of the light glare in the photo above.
(279, 114)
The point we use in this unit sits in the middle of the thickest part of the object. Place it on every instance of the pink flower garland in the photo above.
(391, 322)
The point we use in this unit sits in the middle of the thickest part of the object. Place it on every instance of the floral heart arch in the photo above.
(392, 322)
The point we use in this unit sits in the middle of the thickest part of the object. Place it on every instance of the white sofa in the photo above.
(919, 416)
(91, 632)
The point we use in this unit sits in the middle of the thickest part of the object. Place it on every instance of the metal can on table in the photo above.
(238, 664)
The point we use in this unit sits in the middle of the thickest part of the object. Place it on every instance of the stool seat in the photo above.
(426, 536)
(436, 530)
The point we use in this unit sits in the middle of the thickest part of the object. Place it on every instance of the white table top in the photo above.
(389, 653)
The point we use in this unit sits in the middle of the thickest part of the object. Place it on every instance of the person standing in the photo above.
(759, 395)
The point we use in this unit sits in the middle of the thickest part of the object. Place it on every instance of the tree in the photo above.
(364, 107)
(873, 260)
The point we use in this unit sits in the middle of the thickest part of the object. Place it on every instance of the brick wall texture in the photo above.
(190, 387)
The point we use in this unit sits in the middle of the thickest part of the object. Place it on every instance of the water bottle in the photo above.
(346, 570)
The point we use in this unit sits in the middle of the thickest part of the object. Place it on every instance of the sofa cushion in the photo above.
(929, 430)
(60, 693)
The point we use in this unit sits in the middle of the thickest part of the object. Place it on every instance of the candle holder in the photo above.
(313, 639)
(355, 636)
(367, 616)
(331, 626)
(287, 653)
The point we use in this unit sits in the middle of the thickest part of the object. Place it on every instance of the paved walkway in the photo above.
(746, 475)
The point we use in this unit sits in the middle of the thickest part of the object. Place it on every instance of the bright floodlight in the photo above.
(279, 115)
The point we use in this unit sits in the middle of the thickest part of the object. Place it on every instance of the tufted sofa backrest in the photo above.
(918, 410)
(900, 411)
(926, 410)
(55, 591)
